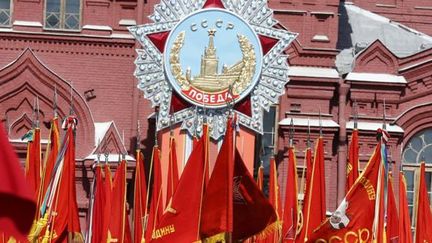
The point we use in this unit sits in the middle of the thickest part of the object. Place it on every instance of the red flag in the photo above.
(309, 164)
(353, 161)
(291, 211)
(354, 218)
(275, 201)
(379, 230)
(117, 230)
(98, 207)
(392, 227)
(173, 176)
(33, 163)
(65, 211)
(217, 208)
(16, 196)
(424, 215)
(404, 215)
(315, 205)
(274, 192)
(51, 154)
(181, 219)
(108, 187)
(156, 206)
(248, 200)
(308, 167)
(232, 198)
(194, 143)
(140, 198)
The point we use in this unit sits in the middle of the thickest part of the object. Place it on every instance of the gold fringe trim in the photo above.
(270, 229)
(215, 238)
(37, 228)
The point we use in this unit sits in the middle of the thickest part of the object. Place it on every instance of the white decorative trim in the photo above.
(321, 38)
(6, 29)
(97, 27)
(322, 13)
(414, 65)
(314, 72)
(27, 23)
(42, 141)
(304, 122)
(373, 126)
(122, 36)
(127, 22)
(375, 77)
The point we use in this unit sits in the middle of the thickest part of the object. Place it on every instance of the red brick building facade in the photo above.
(373, 53)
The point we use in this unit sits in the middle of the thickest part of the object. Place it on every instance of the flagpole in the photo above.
(205, 169)
(305, 163)
(150, 176)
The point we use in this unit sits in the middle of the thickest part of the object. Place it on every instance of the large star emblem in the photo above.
(247, 87)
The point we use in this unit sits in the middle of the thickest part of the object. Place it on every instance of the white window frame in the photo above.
(10, 14)
(62, 17)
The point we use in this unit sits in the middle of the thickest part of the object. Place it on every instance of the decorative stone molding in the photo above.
(27, 78)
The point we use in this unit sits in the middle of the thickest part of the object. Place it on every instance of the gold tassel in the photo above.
(47, 236)
(215, 238)
(37, 228)
(276, 226)
(32, 231)
(11, 240)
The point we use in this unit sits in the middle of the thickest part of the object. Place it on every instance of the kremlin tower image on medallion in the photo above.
(238, 76)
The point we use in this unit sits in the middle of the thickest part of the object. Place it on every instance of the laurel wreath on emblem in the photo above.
(246, 66)
(151, 74)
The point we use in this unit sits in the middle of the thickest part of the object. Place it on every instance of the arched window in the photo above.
(418, 149)
(5, 12)
(62, 14)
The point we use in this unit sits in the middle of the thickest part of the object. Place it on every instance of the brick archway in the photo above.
(27, 78)
(415, 119)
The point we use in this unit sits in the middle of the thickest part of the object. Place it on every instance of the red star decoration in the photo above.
(178, 103)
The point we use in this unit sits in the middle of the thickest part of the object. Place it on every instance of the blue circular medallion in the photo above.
(212, 58)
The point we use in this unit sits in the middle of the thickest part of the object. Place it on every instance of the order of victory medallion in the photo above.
(200, 60)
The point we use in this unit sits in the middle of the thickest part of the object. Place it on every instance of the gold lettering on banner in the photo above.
(164, 231)
(359, 236)
(368, 187)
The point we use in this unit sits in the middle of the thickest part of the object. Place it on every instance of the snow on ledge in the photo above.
(314, 72)
(375, 77)
(373, 126)
(303, 122)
